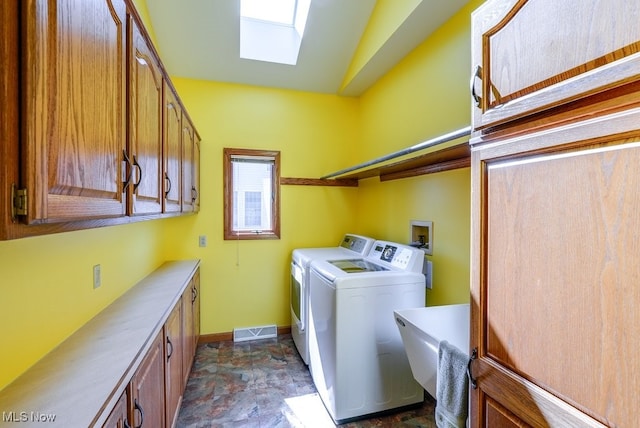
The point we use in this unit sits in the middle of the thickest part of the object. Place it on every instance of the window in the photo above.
(251, 193)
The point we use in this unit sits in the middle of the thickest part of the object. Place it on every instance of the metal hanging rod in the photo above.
(464, 132)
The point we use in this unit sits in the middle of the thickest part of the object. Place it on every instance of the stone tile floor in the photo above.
(265, 384)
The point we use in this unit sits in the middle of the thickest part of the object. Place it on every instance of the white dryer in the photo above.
(358, 359)
(301, 258)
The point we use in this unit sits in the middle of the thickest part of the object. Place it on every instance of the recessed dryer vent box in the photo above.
(422, 235)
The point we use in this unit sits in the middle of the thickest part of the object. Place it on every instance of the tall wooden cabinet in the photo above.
(91, 131)
(555, 202)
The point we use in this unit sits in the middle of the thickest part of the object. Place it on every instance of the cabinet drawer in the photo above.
(533, 55)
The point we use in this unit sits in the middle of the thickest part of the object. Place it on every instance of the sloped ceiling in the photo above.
(199, 39)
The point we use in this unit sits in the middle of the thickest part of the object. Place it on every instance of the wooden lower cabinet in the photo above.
(174, 347)
(191, 323)
(147, 403)
(119, 417)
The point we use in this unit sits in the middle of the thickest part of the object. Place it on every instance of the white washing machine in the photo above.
(350, 246)
(358, 359)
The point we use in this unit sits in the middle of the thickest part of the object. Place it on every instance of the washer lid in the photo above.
(357, 266)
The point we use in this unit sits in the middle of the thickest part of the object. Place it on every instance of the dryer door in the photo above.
(296, 294)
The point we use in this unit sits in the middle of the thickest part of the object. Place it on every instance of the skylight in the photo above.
(274, 11)
(272, 30)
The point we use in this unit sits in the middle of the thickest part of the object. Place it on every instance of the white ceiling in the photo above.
(199, 39)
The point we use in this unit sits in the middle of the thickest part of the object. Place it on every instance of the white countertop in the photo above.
(87, 373)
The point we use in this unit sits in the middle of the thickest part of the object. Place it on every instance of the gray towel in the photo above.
(452, 393)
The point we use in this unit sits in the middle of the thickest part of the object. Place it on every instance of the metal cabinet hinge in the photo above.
(19, 198)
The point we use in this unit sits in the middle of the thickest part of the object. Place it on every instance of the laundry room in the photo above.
(49, 288)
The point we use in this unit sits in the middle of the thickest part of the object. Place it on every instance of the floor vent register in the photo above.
(254, 333)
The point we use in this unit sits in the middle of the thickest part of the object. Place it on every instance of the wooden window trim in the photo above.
(229, 233)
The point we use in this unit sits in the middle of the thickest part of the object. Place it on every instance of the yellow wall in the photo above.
(386, 17)
(47, 285)
(246, 283)
(424, 96)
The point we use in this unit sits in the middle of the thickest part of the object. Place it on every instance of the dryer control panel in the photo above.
(359, 244)
(399, 256)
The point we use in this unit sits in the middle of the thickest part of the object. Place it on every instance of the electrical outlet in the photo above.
(202, 240)
(97, 276)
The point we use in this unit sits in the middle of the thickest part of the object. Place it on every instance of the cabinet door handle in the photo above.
(137, 165)
(129, 170)
(138, 407)
(472, 380)
(170, 348)
(476, 75)
(168, 180)
(194, 294)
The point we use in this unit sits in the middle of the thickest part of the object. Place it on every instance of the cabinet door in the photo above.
(187, 165)
(191, 326)
(555, 276)
(145, 126)
(74, 59)
(532, 55)
(174, 350)
(196, 309)
(147, 388)
(172, 151)
(118, 416)
(189, 190)
(196, 173)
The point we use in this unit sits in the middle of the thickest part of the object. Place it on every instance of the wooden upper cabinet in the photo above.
(73, 109)
(196, 173)
(172, 182)
(190, 144)
(533, 55)
(144, 155)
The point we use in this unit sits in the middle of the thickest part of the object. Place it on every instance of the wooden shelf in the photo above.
(454, 157)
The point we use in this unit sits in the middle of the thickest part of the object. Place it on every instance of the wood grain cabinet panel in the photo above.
(555, 274)
(147, 388)
(188, 147)
(91, 128)
(191, 323)
(555, 220)
(190, 170)
(196, 173)
(145, 126)
(74, 60)
(172, 152)
(119, 415)
(174, 350)
(532, 55)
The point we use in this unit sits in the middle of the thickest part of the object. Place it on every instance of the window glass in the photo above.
(251, 194)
